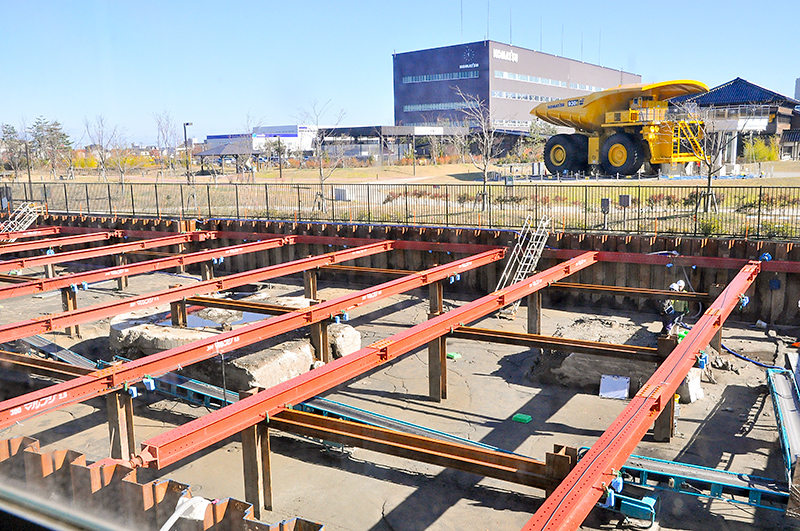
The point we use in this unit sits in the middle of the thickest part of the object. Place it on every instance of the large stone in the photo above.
(219, 315)
(343, 339)
(270, 367)
(146, 339)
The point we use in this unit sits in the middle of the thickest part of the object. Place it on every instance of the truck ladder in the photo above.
(682, 132)
(523, 259)
(23, 217)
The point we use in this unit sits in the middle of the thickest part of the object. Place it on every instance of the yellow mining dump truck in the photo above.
(621, 128)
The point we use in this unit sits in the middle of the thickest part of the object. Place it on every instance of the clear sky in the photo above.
(224, 65)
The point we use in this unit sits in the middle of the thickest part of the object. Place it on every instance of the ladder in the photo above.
(23, 217)
(524, 258)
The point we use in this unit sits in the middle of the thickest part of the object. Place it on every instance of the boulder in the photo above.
(343, 339)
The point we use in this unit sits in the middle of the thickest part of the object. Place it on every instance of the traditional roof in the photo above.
(737, 92)
(790, 135)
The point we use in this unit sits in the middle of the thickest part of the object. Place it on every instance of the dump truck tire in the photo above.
(580, 159)
(566, 153)
(621, 154)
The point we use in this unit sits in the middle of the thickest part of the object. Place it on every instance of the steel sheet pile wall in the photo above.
(62, 486)
(774, 297)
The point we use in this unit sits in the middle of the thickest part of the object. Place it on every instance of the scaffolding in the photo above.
(523, 258)
(23, 217)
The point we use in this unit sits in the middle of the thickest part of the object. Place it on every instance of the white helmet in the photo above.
(681, 284)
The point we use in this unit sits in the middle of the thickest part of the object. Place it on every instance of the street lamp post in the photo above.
(186, 149)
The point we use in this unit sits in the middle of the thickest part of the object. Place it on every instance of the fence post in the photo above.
(333, 203)
(66, 199)
(158, 208)
(639, 209)
(208, 198)
(182, 212)
(369, 204)
(447, 205)
(266, 200)
(236, 187)
(298, 203)
(585, 208)
(133, 201)
(108, 187)
(88, 208)
(758, 222)
(405, 194)
(26, 193)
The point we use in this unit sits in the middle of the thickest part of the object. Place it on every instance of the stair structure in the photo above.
(23, 217)
(523, 259)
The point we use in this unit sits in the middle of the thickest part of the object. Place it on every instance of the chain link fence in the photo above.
(730, 211)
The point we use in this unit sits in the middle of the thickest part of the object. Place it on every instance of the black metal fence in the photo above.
(755, 212)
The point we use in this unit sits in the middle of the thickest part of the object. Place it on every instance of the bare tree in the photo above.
(707, 133)
(166, 136)
(102, 137)
(313, 115)
(122, 157)
(481, 144)
(436, 143)
(13, 148)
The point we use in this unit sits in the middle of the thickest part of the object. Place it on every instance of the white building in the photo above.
(292, 137)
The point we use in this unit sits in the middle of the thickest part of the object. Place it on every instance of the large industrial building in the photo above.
(510, 79)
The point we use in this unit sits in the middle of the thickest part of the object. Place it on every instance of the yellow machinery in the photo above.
(621, 128)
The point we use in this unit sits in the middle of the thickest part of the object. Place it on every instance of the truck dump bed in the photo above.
(588, 113)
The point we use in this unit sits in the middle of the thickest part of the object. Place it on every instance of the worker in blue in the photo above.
(672, 310)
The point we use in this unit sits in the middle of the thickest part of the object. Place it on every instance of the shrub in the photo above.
(710, 226)
(771, 229)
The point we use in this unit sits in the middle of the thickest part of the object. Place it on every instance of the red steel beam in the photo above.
(183, 441)
(58, 321)
(408, 245)
(710, 262)
(37, 232)
(83, 254)
(40, 285)
(111, 378)
(49, 243)
(568, 505)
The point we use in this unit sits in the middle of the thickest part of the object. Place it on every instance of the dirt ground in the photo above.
(732, 428)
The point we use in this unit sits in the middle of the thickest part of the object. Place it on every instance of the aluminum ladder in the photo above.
(524, 258)
(23, 217)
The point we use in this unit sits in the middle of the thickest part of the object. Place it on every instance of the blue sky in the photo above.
(227, 65)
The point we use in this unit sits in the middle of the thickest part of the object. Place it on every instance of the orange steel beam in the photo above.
(568, 505)
(710, 262)
(31, 233)
(58, 321)
(83, 254)
(40, 285)
(49, 243)
(183, 441)
(114, 377)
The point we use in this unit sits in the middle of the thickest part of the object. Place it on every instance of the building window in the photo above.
(499, 94)
(448, 76)
(446, 106)
(544, 81)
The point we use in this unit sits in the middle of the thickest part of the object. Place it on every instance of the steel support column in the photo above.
(121, 260)
(569, 504)
(120, 424)
(257, 465)
(69, 303)
(437, 349)
(535, 313)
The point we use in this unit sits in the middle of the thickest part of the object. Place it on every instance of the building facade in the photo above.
(509, 79)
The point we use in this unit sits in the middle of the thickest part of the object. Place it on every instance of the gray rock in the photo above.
(343, 339)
